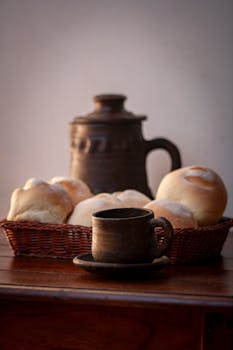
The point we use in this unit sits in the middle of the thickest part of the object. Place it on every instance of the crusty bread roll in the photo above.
(132, 198)
(178, 214)
(83, 211)
(198, 188)
(76, 188)
(41, 202)
(33, 182)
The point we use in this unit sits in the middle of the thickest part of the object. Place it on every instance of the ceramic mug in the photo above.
(127, 235)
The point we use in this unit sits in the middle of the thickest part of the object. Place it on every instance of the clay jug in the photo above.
(108, 151)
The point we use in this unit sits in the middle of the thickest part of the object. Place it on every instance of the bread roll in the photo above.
(83, 211)
(178, 214)
(198, 188)
(76, 188)
(33, 182)
(132, 198)
(41, 202)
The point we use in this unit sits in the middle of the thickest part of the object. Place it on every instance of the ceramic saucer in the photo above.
(86, 262)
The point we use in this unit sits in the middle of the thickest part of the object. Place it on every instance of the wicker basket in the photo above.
(47, 240)
(202, 243)
(67, 241)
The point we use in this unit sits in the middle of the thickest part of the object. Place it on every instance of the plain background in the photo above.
(172, 58)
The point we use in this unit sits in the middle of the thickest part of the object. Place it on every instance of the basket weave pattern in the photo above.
(190, 245)
(47, 240)
(66, 241)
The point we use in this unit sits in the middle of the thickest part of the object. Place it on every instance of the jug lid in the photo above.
(109, 108)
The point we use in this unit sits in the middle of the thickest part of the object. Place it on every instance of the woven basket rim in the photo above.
(4, 223)
(35, 225)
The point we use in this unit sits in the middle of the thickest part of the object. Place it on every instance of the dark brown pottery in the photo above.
(108, 150)
(126, 235)
(140, 270)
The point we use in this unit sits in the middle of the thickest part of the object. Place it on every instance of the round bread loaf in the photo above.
(83, 211)
(41, 202)
(198, 188)
(76, 188)
(33, 182)
(132, 198)
(178, 214)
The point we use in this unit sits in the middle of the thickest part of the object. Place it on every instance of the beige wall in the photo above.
(172, 58)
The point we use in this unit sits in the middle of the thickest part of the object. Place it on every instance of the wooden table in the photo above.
(54, 305)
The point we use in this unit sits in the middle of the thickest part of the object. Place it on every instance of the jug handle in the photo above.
(170, 147)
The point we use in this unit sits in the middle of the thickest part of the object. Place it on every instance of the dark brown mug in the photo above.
(127, 235)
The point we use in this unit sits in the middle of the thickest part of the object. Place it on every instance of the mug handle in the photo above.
(167, 234)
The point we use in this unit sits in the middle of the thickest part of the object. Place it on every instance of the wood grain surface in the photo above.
(53, 304)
